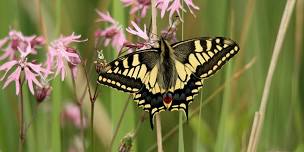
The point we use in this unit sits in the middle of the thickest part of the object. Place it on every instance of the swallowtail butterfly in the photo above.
(169, 76)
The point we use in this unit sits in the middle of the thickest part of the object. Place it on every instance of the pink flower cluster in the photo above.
(19, 49)
(171, 6)
(115, 34)
(138, 6)
(112, 33)
(134, 29)
(175, 7)
(59, 52)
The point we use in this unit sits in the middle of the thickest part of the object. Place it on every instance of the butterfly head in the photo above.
(101, 63)
(167, 99)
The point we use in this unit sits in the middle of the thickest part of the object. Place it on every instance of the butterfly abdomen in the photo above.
(167, 74)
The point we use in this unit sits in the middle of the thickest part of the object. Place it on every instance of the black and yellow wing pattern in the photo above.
(168, 77)
(127, 72)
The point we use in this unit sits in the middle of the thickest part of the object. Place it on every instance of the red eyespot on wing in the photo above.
(167, 99)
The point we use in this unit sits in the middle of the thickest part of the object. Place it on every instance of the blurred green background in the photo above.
(225, 119)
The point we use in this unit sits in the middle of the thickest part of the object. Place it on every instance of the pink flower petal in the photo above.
(7, 66)
(127, 2)
(175, 7)
(14, 77)
(138, 32)
(162, 5)
(190, 5)
(30, 78)
(3, 41)
(105, 17)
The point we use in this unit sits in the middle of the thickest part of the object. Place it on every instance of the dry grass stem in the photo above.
(259, 116)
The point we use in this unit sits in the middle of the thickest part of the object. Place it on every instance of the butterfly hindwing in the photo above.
(150, 102)
(128, 72)
(182, 97)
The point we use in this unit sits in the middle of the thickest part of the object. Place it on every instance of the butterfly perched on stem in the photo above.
(168, 77)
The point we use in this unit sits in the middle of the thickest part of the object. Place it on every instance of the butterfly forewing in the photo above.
(204, 56)
(127, 73)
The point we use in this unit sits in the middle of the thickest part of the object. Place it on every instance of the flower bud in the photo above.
(126, 143)
(42, 93)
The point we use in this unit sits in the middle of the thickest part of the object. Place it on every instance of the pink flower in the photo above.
(113, 33)
(17, 40)
(71, 113)
(137, 6)
(59, 52)
(190, 4)
(30, 69)
(162, 5)
(140, 33)
(106, 17)
(175, 7)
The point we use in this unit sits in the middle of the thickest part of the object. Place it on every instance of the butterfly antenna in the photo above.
(175, 23)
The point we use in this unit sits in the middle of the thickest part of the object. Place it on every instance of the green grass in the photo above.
(226, 119)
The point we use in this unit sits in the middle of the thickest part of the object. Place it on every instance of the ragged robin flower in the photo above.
(60, 52)
(175, 7)
(16, 40)
(137, 31)
(138, 6)
(20, 66)
(113, 33)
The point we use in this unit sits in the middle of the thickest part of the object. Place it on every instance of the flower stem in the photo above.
(21, 118)
(92, 123)
(157, 116)
(181, 147)
(92, 99)
(79, 104)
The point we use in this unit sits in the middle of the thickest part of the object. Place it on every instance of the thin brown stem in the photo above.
(92, 123)
(79, 104)
(157, 116)
(40, 20)
(21, 118)
(119, 122)
(92, 100)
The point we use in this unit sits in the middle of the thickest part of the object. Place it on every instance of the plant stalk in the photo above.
(153, 37)
(259, 115)
(21, 119)
(79, 105)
